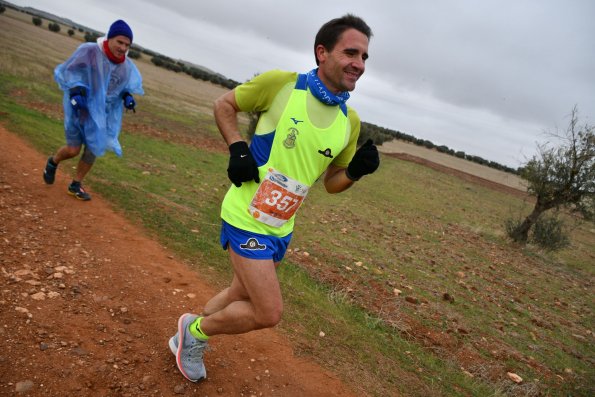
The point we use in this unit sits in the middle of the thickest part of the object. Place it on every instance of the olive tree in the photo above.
(561, 175)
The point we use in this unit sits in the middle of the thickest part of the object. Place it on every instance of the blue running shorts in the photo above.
(254, 245)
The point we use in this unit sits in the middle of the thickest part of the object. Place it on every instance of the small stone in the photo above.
(321, 334)
(23, 272)
(24, 386)
(514, 377)
(38, 296)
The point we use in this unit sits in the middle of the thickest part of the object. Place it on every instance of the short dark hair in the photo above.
(329, 33)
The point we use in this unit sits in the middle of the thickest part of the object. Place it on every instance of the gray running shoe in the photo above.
(188, 350)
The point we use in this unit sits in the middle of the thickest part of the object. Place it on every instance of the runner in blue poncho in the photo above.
(98, 81)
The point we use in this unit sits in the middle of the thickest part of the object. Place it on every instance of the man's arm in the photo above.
(242, 167)
(335, 179)
(365, 161)
(226, 116)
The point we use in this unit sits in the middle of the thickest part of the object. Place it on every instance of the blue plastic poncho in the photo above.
(104, 82)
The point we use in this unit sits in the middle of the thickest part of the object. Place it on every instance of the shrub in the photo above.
(549, 232)
(54, 27)
(428, 144)
(134, 54)
(90, 37)
(70, 32)
(2, 9)
(511, 225)
(36, 21)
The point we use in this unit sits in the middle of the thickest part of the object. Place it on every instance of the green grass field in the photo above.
(408, 274)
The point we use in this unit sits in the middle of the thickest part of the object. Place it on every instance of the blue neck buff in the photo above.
(319, 90)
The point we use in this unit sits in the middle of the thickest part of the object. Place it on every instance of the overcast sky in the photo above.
(487, 77)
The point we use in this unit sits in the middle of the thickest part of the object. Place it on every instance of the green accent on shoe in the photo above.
(196, 331)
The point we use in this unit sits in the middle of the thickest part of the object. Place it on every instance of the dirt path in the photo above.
(88, 303)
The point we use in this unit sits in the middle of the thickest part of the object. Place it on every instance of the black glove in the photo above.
(78, 100)
(242, 166)
(129, 102)
(364, 161)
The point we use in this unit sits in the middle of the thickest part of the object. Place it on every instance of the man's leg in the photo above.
(82, 169)
(235, 292)
(253, 301)
(230, 294)
(64, 153)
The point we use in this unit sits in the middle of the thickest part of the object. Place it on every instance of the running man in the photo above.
(98, 80)
(305, 130)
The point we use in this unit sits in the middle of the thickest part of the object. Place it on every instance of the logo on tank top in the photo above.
(326, 153)
(292, 134)
(253, 244)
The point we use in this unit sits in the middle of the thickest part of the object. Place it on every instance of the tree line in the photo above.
(197, 73)
(382, 134)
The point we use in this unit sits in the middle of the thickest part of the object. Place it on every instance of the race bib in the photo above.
(277, 199)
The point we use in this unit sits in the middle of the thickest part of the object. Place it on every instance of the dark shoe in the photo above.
(49, 174)
(76, 189)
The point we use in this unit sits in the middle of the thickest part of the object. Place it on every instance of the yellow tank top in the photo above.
(300, 152)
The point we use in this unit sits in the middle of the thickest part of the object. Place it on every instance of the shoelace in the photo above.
(196, 351)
